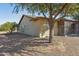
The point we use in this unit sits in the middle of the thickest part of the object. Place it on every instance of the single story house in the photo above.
(38, 26)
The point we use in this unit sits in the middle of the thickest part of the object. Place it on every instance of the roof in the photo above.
(39, 18)
(44, 19)
(69, 20)
(33, 18)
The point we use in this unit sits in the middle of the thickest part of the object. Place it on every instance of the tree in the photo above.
(48, 10)
(14, 26)
(7, 26)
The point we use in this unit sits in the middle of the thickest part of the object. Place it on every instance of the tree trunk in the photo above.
(50, 33)
(50, 21)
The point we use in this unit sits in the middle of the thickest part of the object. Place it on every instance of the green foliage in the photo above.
(37, 8)
(7, 26)
(73, 9)
(40, 8)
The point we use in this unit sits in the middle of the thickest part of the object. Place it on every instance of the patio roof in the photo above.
(69, 20)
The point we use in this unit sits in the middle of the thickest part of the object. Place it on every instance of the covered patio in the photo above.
(67, 27)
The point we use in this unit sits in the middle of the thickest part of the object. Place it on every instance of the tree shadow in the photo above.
(16, 42)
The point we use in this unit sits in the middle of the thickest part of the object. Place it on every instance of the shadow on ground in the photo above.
(13, 44)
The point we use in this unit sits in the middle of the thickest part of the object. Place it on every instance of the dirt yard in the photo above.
(17, 44)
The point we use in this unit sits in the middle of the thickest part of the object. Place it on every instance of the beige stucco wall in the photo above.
(44, 31)
(29, 27)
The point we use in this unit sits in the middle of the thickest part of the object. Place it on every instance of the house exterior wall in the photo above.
(77, 28)
(55, 29)
(28, 27)
(67, 28)
(71, 28)
(44, 31)
(40, 28)
(61, 27)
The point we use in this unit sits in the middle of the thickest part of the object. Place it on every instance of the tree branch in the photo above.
(63, 7)
(44, 15)
(62, 16)
(65, 12)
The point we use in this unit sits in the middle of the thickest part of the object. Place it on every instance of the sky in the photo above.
(6, 14)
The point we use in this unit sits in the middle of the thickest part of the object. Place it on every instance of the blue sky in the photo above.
(7, 15)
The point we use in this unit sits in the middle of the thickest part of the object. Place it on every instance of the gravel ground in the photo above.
(17, 44)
